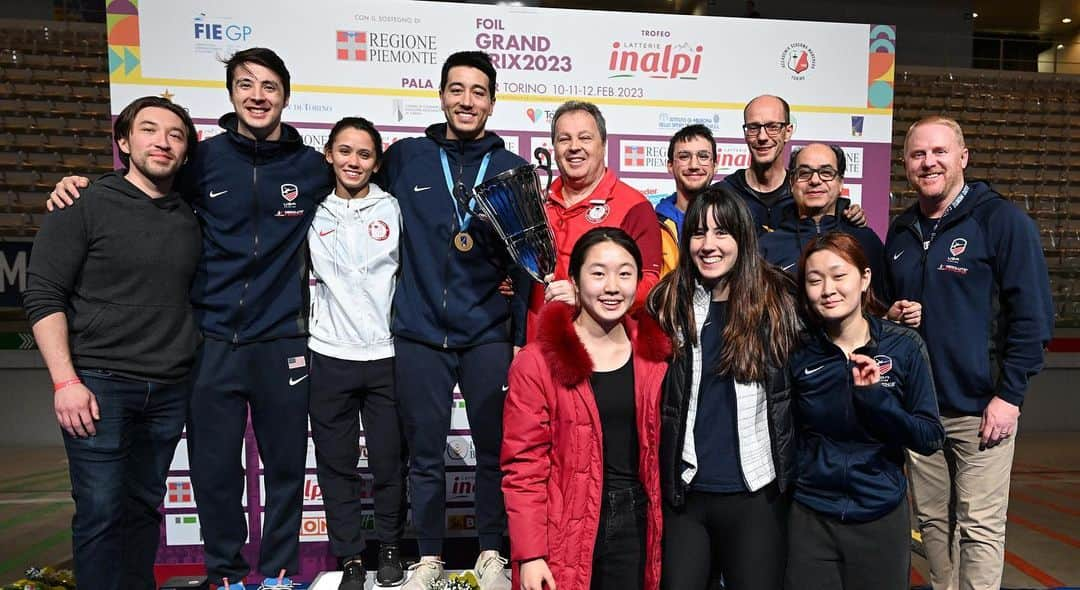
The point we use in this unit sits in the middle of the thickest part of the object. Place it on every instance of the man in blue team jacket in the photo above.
(975, 262)
(451, 324)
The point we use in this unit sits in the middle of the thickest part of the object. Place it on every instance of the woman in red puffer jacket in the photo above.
(581, 430)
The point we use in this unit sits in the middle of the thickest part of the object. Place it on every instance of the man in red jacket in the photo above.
(588, 195)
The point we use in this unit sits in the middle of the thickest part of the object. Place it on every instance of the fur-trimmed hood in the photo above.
(565, 354)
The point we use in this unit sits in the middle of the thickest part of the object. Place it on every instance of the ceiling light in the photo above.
(974, 15)
(1060, 47)
(1066, 20)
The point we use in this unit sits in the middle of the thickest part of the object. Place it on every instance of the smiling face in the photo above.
(693, 165)
(765, 149)
(258, 97)
(714, 252)
(466, 103)
(834, 286)
(156, 145)
(813, 195)
(579, 150)
(352, 157)
(935, 160)
(606, 283)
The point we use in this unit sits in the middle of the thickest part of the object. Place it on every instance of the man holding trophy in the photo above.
(451, 324)
(586, 195)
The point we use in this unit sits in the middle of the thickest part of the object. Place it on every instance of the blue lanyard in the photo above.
(463, 220)
(956, 202)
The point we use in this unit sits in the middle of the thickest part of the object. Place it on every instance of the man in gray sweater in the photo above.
(107, 295)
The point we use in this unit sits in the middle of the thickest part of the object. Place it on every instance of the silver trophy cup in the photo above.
(513, 203)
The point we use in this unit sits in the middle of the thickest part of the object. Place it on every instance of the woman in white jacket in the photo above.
(355, 255)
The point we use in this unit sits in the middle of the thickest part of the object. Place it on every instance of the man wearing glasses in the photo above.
(767, 129)
(817, 179)
(692, 163)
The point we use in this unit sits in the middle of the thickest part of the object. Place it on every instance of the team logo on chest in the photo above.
(952, 263)
(884, 365)
(598, 211)
(957, 247)
(289, 192)
(378, 230)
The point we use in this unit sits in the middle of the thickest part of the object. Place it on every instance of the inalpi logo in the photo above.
(655, 60)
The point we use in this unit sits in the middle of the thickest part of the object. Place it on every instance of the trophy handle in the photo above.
(543, 156)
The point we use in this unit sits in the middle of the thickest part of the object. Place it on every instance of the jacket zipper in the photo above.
(450, 251)
(255, 244)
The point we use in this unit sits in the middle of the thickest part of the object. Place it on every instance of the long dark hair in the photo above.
(762, 325)
(847, 247)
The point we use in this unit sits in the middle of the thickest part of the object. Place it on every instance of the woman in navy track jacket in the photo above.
(863, 393)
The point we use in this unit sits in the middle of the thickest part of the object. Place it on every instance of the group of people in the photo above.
(730, 385)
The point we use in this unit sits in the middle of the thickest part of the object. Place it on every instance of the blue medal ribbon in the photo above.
(462, 219)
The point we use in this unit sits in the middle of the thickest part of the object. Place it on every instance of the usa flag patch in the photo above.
(297, 362)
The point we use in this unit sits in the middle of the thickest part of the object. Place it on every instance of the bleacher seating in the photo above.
(54, 114)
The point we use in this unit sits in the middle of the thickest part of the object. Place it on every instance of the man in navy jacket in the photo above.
(817, 179)
(254, 189)
(451, 324)
(975, 263)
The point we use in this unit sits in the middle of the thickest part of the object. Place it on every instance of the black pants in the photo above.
(741, 536)
(271, 378)
(343, 393)
(425, 378)
(827, 553)
(619, 556)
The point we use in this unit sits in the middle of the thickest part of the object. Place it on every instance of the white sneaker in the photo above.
(423, 573)
(491, 572)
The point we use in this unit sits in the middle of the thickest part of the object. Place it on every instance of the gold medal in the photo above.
(463, 241)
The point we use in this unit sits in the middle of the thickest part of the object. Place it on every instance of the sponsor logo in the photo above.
(183, 529)
(460, 451)
(809, 371)
(313, 527)
(898, 255)
(598, 212)
(854, 158)
(312, 489)
(404, 109)
(289, 192)
(788, 267)
(537, 115)
(419, 189)
(957, 247)
(216, 194)
(884, 363)
(179, 491)
(799, 59)
(655, 60)
(387, 47)
(209, 29)
(378, 230)
(460, 486)
(857, 122)
(670, 121)
(295, 381)
(323, 234)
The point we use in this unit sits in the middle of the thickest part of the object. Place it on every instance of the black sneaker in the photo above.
(390, 572)
(353, 575)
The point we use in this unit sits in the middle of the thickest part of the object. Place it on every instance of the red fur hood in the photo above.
(565, 355)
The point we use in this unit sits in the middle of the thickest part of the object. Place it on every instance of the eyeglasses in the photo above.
(773, 128)
(825, 173)
(703, 156)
